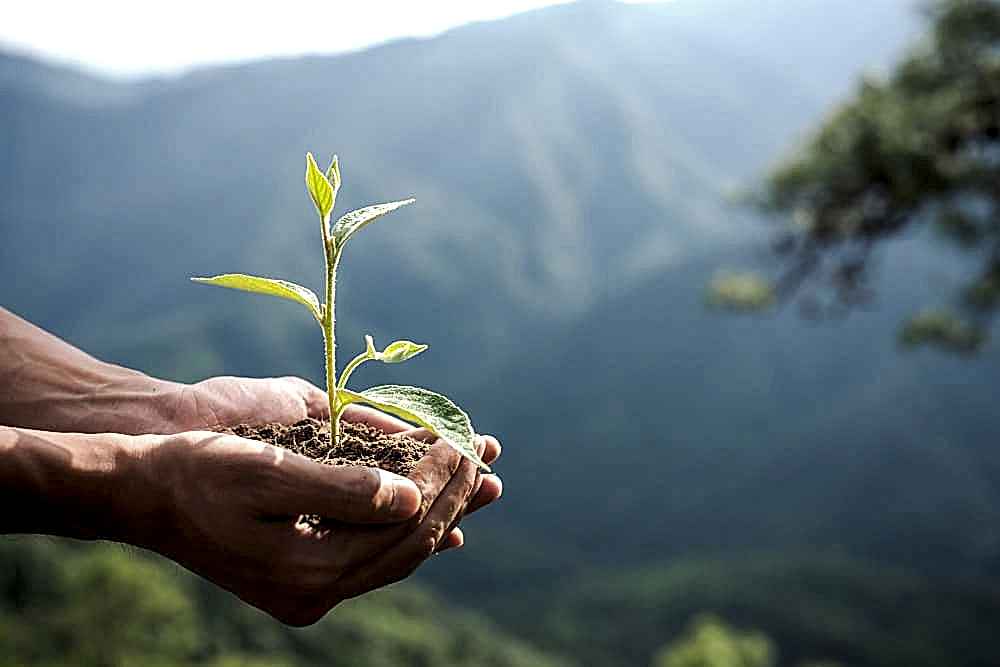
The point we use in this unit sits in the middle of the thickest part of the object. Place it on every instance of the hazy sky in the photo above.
(124, 37)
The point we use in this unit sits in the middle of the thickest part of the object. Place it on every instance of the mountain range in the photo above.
(573, 169)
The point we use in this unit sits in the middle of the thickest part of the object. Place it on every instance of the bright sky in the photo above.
(126, 38)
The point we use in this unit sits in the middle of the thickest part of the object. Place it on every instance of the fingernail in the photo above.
(499, 486)
(454, 540)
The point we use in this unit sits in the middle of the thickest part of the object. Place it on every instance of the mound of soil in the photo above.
(360, 444)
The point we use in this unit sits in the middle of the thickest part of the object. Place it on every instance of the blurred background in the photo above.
(719, 274)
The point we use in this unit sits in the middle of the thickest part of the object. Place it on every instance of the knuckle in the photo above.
(454, 459)
(445, 456)
(468, 481)
(308, 388)
(426, 545)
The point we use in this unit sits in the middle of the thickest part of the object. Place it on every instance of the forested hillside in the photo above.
(573, 169)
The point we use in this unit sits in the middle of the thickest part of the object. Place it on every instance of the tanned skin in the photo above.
(95, 451)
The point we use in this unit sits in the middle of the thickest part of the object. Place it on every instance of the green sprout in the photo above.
(420, 406)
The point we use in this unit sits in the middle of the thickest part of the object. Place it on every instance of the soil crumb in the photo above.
(360, 443)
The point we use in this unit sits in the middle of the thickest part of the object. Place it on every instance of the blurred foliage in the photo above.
(699, 438)
(101, 605)
(713, 643)
(66, 603)
(90, 608)
(944, 329)
(922, 147)
(813, 608)
(740, 291)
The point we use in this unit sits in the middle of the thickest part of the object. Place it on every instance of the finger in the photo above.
(453, 540)
(492, 449)
(352, 494)
(373, 417)
(490, 489)
(431, 476)
(453, 526)
(476, 485)
(317, 404)
(440, 509)
(433, 473)
(401, 560)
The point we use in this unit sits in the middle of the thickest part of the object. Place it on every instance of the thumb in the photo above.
(352, 494)
(315, 399)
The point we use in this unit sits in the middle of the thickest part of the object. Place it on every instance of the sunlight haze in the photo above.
(133, 39)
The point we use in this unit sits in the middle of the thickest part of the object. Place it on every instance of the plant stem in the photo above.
(330, 340)
(330, 257)
(357, 361)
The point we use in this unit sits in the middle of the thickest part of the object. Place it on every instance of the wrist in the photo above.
(50, 385)
(74, 485)
(133, 492)
(91, 398)
(121, 400)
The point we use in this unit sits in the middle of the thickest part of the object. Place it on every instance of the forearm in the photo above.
(46, 383)
(73, 485)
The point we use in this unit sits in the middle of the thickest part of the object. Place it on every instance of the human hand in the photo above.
(228, 401)
(229, 506)
(488, 488)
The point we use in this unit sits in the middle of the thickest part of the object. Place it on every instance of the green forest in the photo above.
(810, 481)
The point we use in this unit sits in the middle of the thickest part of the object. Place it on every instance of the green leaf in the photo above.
(425, 408)
(400, 351)
(395, 353)
(333, 175)
(319, 188)
(351, 222)
(282, 288)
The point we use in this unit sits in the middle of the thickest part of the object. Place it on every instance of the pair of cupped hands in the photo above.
(234, 502)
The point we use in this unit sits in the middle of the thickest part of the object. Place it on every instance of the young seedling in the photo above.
(419, 406)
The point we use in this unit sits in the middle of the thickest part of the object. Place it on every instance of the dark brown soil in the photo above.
(360, 444)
